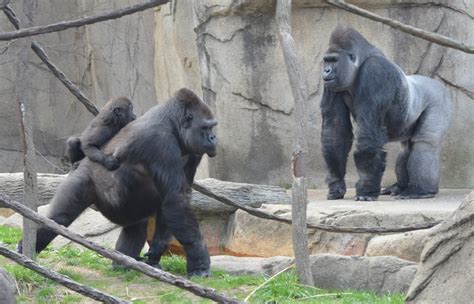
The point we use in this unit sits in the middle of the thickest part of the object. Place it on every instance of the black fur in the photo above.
(115, 115)
(159, 153)
(387, 106)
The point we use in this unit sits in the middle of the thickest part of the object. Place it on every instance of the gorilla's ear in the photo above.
(187, 97)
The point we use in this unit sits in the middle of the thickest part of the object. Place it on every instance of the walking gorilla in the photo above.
(387, 106)
(158, 153)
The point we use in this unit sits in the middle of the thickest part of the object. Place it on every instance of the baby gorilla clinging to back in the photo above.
(115, 115)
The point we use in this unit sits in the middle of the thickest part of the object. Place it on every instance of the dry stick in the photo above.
(330, 228)
(61, 279)
(64, 25)
(268, 281)
(127, 261)
(299, 90)
(423, 34)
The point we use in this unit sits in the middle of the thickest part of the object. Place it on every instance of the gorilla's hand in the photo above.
(111, 163)
(153, 259)
(393, 190)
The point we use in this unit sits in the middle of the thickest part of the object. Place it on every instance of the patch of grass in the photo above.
(74, 256)
(71, 299)
(45, 295)
(10, 235)
(71, 274)
(174, 263)
(25, 275)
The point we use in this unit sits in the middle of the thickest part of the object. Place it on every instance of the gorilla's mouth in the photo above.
(329, 79)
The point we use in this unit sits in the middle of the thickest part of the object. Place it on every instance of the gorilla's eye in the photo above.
(352, 57)
(189, 117)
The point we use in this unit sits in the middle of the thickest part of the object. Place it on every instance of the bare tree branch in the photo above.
(423, 34)
(59, 278)
(39, 51)
(299, 89)
(64, 25)
(330, 228)
(127, 261)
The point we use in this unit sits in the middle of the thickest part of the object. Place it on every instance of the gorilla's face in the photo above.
(339, 69)
(197, 134)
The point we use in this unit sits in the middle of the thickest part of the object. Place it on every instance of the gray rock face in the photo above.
(446, 272)
(378, 274)
(251, 265)
(7, 288)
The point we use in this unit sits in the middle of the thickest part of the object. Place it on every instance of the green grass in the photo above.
(10, 235)
(90, 268)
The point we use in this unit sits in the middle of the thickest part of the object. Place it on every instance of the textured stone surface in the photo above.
(251, 265)
(407, 246)
(244, 77)
(446, 272)
(7, 288)
(377, 274)
(275, 238)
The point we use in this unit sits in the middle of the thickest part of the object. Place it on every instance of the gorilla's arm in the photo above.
(93, 139)
(377, 87)
(336, 137)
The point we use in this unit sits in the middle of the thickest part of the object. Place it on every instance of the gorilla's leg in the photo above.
(183, 225)
(401, 171)
(131, 240)
(336, 139)
(423, 162)
(73, 196)
(423, 170)
(161, 240)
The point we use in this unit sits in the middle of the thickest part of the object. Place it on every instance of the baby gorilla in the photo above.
(115, 115)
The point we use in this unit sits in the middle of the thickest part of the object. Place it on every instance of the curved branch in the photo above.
(423, 34)
(64, 25)
(330, 228)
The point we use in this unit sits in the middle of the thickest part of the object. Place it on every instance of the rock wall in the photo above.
(105, 60)
(243, 77)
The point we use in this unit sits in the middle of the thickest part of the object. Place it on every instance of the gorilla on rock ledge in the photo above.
(158, 154)
(386, 105)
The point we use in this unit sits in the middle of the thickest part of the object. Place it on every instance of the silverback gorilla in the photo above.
(115, 115)
(159, 153)
(386, 105)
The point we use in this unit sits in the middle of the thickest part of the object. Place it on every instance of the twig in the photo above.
(59, 278)
(64, 25)
(267, 281)
(114, 255)
(265, 215)
(423, 34)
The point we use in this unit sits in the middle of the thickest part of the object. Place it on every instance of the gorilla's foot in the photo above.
(19, 246)
(407, 195)
(392, 190)
(199, 273)
(365, 198)
(335, 195)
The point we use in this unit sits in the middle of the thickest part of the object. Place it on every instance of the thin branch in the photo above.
(59, 278)
(330, 228)
(64, 25)
(423, 34)
(127, 261)
(267, 281)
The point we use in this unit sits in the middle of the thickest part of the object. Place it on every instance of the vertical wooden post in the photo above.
(24, 95)
(300, 95)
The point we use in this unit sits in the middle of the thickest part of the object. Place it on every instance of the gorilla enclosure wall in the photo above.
(152, 54)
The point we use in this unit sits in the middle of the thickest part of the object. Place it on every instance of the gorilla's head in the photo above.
(347, 51)
(197, 123)
(117, 112)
